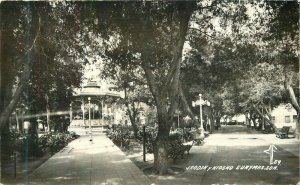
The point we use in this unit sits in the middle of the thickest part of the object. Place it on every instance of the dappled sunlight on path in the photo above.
(85, 162)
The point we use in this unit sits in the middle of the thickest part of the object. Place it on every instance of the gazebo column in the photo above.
(83, 112)
(102, 110)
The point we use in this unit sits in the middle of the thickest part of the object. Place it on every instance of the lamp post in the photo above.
(201, 102)
(90, 124)
(144, 143)
(71, 113)
(48, 113)
(201, 121)
(200, 105)
(26, 128)
(144, 140)
(39, 121)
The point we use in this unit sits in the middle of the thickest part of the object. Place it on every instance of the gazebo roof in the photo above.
(93, 89)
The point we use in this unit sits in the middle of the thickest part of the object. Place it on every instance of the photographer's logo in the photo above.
(271, 151)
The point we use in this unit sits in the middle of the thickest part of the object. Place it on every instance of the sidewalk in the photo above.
(83, 162)
(291, 145)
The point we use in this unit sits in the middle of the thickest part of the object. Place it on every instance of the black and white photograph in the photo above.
(146, 92)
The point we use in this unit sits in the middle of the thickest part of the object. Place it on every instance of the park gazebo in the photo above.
(94, 106)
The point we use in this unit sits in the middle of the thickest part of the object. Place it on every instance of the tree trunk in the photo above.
(253, 119)
(298, 127)
(133, 124)
(248, 121)
(5, 114)
(9, 109)
(132, 115)
(218, 122)
(266, 118)
(160, 146)
(295, 105)
(169, 84)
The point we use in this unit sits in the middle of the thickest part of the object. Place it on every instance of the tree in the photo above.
(42, 55)
(135, 92)
(241, 61)
(284, 36)
(152, 35)
(9, 48)
(33, 42)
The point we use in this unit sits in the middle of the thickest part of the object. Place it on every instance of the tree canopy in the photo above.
(239, 55)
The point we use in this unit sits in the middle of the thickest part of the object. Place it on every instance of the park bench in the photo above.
(283, 132)
(292, 132)
(176, 149)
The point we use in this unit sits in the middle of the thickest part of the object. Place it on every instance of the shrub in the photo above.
(54, 142)
(176, 136)
(25, 144)
(150, 135)
(120, 135)
(18, 141)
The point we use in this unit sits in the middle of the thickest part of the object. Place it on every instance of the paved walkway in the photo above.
(243, 147)
(237, 135)
(83, 162)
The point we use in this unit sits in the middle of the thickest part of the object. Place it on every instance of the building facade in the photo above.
(284, 115)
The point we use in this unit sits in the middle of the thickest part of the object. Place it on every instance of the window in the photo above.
(294, 118)
(273, 118)
(287, 119)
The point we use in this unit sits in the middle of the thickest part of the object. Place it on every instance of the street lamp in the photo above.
(71, 113)
(201, 102)
(48, 112)
(39, 121)
(26, 128)
(90, 124)
(144, 139)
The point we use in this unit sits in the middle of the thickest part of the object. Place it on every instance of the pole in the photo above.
(48, 115)
(93, 113)
(201, 124)
(17, 119)
(71, 114)
(15, 164)
(263, 119)
(99, 122)
(178, 120)
(22, 120)
(26, 156)
(144, 143)
(90, 124)
(102, 110)
(208, 123)
(83, 119)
